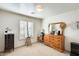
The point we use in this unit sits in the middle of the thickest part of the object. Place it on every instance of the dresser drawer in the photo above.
(55, 41)
(59, 37)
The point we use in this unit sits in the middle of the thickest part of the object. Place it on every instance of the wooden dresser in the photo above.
(55, 41)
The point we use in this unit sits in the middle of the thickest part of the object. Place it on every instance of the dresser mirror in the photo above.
(56, 28)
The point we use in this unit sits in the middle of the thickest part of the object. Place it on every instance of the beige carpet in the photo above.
(37, 49)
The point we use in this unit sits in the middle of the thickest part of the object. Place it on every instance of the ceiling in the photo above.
(59, 8)
(50, 9)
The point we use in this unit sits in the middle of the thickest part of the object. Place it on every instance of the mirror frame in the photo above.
(62, 26)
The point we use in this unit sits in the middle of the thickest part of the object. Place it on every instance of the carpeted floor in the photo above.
(37, 49)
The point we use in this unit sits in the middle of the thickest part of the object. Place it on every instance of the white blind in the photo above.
(26, 29)
(30, 29)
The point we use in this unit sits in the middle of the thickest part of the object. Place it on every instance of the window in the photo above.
(26, 29)
(30, 29)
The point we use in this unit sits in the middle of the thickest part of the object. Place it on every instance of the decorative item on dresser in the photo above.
(55, 41)
(9, 42)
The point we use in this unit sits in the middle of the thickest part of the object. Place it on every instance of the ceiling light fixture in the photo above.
(39, 8)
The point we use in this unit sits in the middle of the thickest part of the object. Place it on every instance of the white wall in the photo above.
(11, 20)
(71, 33)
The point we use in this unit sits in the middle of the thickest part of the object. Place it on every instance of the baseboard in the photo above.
(19, 46)
(67, 51)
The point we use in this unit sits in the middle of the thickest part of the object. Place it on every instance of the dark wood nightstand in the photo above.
(9, 42)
